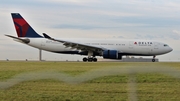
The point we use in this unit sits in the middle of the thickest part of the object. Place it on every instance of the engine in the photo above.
(111, 54)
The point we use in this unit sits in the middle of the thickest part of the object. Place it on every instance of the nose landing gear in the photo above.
(153, 60)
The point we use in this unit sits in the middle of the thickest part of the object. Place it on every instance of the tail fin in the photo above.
(23, 29)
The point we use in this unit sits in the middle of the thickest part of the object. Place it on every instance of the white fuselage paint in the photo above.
(126, 47)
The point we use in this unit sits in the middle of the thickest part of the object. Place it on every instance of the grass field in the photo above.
(78, 81)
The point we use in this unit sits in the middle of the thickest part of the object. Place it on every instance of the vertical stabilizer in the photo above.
(23, 29)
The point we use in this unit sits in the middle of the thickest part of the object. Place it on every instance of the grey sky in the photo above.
(143, 19)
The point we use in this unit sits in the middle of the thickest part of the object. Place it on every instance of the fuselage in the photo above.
(124, 47)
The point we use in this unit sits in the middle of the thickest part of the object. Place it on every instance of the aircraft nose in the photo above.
(170, 49)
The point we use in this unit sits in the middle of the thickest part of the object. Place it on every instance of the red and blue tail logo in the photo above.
(23, 29)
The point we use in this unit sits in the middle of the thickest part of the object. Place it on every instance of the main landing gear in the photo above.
(153, 60)
(90, 59)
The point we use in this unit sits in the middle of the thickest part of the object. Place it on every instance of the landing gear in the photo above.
(91, 59)
(85, 59)
(95, 59)
(153, 60)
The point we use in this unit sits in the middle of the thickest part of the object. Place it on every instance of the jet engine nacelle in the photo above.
(111, 54)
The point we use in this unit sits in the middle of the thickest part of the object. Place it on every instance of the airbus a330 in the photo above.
(107, 48)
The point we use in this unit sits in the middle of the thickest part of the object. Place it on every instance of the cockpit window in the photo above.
(165, 45)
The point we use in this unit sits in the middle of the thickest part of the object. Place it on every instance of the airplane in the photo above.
(106, 48)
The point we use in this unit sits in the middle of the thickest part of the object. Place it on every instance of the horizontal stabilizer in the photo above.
(22, 40)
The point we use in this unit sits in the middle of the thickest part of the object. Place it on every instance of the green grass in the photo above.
(151, 86)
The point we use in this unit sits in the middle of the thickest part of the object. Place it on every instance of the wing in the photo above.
(78, 46)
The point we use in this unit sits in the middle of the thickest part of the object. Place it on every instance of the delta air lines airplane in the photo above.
(107, 48)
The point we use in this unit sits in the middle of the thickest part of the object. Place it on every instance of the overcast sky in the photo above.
(121, 19)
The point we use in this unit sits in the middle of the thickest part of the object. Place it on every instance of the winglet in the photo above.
(47, 36)
(22, 40)
(50, 38)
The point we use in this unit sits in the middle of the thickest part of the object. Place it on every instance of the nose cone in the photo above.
(170, 49)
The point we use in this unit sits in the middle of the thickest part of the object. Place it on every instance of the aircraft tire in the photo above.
(85, 59)
(95, 59)
(90, 59)
(153, 60)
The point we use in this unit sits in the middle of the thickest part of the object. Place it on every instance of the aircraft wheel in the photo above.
(85, 59)
(153, 60)
(90, 59)
(95, 59)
